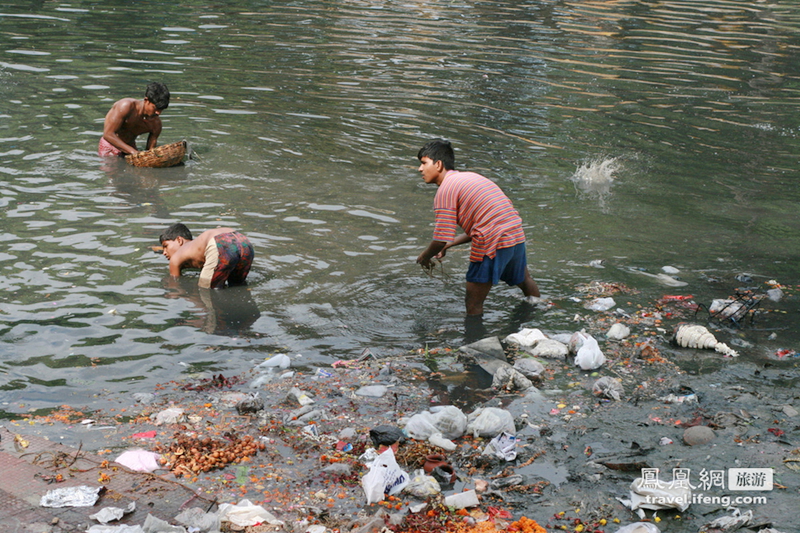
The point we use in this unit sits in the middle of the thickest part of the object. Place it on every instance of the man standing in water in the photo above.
(489, 221)
(128, 118)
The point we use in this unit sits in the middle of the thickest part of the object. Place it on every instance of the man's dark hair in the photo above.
(158, 93)
(174, 231)
(439, 150)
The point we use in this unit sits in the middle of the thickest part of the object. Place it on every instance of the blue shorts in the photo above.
(509, 265)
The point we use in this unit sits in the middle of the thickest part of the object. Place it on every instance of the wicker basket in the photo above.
(167, 155)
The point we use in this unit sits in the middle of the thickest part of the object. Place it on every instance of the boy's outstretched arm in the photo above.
(461, 239)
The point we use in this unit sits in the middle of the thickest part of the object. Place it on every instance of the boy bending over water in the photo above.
(221, 254)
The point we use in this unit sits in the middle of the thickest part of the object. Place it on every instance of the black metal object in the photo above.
(740, 307)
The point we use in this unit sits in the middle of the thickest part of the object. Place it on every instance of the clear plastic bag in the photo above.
(422, 486)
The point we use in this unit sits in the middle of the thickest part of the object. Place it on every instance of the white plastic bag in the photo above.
(384, 477)
(450, 421)
(421, 426)
(590, 357)
(525, 337)
(490, 421)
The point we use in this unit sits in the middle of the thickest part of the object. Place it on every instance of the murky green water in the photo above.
(642, 134)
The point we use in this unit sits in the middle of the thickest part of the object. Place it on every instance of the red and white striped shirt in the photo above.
(482, 210)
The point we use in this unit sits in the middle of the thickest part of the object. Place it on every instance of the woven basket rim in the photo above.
(166, 155)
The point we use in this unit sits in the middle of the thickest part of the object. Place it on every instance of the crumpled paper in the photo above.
(81, 496)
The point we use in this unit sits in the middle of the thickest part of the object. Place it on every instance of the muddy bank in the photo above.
(289, 438)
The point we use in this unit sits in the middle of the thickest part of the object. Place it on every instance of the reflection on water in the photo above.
(230, 311)
(638, 134)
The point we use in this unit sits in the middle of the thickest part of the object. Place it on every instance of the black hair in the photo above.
(439, 150)
(174, 231)
(158, 93)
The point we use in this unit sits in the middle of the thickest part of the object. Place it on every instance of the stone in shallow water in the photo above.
(697, 435)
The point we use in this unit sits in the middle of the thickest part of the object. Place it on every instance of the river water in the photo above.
(640, 134)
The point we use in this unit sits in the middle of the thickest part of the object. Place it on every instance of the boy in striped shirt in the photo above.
(489, 221)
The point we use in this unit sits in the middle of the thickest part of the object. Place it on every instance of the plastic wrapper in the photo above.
(80, 496)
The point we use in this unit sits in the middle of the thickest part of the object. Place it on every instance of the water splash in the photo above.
(596, 178)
